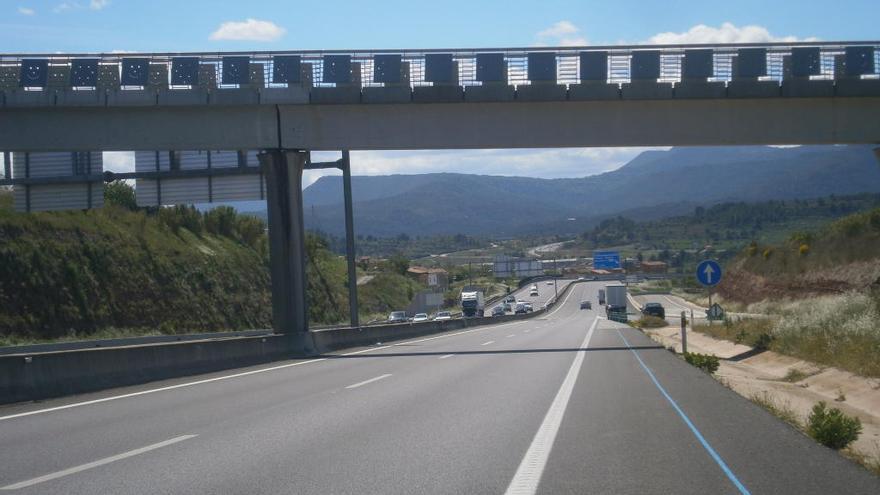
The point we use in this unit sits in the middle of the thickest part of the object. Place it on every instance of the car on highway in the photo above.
(442, 316)
(498, 310)
(510, 299)
(397, 317)
(534, 292)
(586, 305)
(654, 309)
(528, 306)
(549, 282)
(508, 306)
(520, 308)
(419, 317)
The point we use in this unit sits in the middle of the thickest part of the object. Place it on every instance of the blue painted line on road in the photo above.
(718, 460)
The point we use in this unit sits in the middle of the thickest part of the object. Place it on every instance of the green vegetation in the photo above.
(832, 428)
(851, 239)
(728, 224)
(705, 362)
(781, 410)
(840, 331)
(406, 246)
(74, 274)
(122, 271)
(647, 321)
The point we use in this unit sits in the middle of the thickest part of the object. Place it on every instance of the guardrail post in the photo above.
(349, 241)
(684, 338)
(287, 255)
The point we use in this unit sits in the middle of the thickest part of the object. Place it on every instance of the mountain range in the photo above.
(655, 184)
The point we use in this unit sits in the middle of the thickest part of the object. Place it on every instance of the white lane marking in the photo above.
(245, 373)
(94, 464)
(528, 475)
(511, 335)
(489, 342)
(371, 380)
(526, 331)
(262, 370)
(447, 356)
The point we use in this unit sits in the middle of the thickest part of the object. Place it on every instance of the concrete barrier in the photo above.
(26, 376)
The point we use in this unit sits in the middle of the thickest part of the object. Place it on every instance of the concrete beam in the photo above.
(695, 122)
(691, 122)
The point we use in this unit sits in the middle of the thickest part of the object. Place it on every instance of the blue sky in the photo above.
(50, 26)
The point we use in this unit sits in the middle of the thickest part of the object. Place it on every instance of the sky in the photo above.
(79, 26)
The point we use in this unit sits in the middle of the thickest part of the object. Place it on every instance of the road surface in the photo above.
(563, 403)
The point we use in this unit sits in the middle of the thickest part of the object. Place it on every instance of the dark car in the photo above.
(586, 305)
(654, 309)
(498, 310)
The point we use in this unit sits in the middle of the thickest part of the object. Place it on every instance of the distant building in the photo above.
(507, 267)
(654, 266)
(432, 277)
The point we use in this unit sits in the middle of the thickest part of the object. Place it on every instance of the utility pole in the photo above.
(555, 279)
(684, 339)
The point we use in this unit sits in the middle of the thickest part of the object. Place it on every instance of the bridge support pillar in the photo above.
(283, 170)
(349, 241)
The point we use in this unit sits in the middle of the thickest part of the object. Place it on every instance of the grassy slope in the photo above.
(114, 272)
(825, 297)
(67, 273)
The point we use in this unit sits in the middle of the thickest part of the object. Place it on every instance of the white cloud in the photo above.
(64, 7)
(726, 33)
(248, 30)
(563, 33)
(26, 11)
(98, 4)
(119, 161)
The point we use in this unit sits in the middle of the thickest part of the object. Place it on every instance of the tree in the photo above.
(120, 194)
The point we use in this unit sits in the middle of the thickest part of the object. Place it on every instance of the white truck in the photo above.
(472, 303)
(615, 302)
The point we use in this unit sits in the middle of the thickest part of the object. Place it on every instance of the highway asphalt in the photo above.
(563, 403)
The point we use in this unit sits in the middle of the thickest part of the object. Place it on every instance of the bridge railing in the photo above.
(417, 68)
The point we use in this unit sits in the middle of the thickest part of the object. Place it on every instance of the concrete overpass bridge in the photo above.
(286, 104)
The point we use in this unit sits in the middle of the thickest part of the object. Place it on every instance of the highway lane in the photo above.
(545, 294)
(454, 413)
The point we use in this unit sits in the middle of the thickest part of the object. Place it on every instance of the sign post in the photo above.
(709, 274)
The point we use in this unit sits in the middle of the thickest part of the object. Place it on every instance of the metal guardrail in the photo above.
(369, 68)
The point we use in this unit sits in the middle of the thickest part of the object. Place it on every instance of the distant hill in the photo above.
(653, 185)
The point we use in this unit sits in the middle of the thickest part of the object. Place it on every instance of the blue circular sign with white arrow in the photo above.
(709, 273)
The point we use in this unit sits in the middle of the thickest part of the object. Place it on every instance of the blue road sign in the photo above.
(709, 273)
(606, 260)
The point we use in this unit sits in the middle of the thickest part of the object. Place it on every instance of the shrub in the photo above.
(832, 428)
(650, 322)
(767, 253)
(121, 194)
(804, 249)
(705, 362)
(762, 342)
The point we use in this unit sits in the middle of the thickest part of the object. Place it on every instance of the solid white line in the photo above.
(528, 475)
(447, 356)
(94, 464)
(371, 380)
(489, 342)
(261, 370)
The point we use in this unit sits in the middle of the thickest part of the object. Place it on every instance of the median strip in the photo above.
(94, 464)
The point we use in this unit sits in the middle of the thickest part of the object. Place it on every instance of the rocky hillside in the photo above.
(842, 257)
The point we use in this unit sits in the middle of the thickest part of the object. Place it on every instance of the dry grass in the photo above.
(780, 409)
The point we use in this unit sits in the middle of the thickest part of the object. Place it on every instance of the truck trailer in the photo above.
(615, 302)
(472, 303)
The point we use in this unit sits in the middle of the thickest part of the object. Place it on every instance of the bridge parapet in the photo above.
(818, 69)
